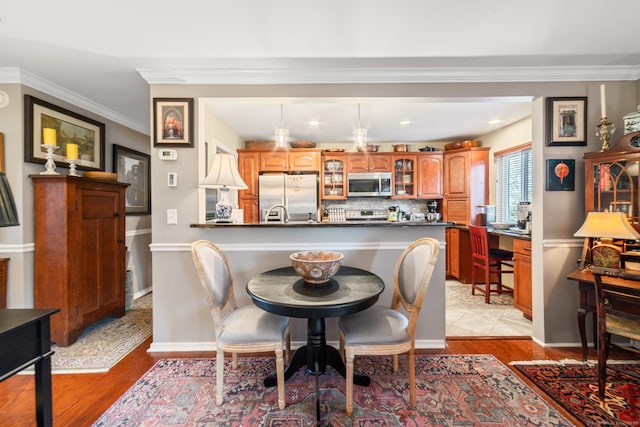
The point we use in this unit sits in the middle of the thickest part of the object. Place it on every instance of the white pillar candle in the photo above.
(603, 101)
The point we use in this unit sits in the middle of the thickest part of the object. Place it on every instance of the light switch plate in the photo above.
(172, 216)
(172, 179)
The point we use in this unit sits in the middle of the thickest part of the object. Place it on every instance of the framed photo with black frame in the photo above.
(566, 121)
(71, 128)
(561, 174)
(134, 168)
(173, 122)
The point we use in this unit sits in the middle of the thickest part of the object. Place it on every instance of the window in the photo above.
(514, 181)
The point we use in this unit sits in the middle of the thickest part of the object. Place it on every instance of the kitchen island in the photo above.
(181, 318)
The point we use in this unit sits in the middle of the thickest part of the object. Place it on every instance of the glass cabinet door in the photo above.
(615, 187)
(333, 177)
(404, 176)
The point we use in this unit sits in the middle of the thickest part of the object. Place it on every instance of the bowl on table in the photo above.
(501, 225)
(316, 267)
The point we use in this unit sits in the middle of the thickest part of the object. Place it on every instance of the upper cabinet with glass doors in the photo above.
(612, 183)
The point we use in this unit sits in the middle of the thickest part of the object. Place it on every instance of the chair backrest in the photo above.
(479, 244)
(216, 280)
(412, 277)
(627, 299)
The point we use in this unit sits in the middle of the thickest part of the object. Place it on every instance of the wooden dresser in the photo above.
(79, 234)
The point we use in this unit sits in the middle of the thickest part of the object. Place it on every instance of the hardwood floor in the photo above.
(79, 399)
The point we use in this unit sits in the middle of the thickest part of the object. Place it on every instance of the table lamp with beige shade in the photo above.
(605, 227)
(224, 175)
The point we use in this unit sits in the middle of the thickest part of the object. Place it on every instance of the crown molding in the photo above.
(327, 75)
(19, 76)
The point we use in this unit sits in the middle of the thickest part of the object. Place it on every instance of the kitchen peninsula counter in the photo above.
(305, 224)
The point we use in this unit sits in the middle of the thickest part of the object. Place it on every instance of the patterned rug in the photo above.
(106, 342)
(452, 390)
(574, 386)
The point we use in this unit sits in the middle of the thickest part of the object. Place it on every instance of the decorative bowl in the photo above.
(501, 225)
(369, 148)
(316, 267)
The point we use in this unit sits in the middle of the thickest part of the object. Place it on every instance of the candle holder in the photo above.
(72, 167)
(49, 166)
(604, 131)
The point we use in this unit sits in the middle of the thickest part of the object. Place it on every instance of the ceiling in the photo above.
(106, 54)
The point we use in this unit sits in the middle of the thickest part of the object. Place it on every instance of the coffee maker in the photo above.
(524, 217)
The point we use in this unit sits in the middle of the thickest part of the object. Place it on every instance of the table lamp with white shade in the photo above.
(605, 226)
(224, 176)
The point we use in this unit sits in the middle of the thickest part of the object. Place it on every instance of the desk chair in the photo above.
(612, 303)
(244, 329)
(492, 261)
(387, 331)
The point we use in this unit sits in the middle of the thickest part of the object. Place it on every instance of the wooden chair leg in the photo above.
(219, 376)
(349, 379)
(487, 285)
(395, 363)
(412, 378)
(280, 376)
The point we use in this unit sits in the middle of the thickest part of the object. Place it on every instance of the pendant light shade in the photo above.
(359, 134)
(281, 134)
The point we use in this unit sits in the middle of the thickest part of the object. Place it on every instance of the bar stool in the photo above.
(494, 262)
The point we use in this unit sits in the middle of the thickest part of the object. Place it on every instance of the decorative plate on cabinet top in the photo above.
(102, 176)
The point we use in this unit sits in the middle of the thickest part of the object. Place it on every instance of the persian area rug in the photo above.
(574, 386)
(106, 342)
(452, 390)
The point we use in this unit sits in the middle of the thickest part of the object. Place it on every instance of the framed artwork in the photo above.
(566, 121)
(561, 174)
(622, 206)
(134, 168)
(173, 122)
(71, 128)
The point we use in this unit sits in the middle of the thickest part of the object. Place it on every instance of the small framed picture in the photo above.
(561, 174)
(134, 168)
(173, 122)
(566, 121)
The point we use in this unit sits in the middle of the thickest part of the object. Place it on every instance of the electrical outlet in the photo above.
(172, 216)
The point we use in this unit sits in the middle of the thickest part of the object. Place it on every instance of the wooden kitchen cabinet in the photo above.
(466, 176)
(290, 160)
(249, 168)
(368, 162)
(430, 175)
(404, 176)
(333, 180)
(79, 256)
(522, 299)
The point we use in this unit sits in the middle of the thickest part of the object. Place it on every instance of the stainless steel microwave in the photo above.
(369, 184)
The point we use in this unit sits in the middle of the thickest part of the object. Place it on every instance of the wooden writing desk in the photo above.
(588, 302)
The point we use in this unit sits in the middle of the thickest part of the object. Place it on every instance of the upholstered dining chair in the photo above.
(238, 329)
(492, 261)
(612, 310)
(381, 330)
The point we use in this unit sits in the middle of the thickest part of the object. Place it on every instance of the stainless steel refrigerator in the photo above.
(299, 193)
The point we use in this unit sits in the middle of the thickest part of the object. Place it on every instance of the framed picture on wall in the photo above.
(561, 174)
(134, 168)
(70, 127)
(566, 122)
(173, 122)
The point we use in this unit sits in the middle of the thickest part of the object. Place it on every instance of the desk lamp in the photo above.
(224, 175)
(605, 226)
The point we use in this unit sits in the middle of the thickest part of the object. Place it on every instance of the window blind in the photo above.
(514, 183)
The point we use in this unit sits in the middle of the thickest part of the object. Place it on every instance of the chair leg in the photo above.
(280, 376)
(349, 379)
(219, 376)
(288, 350)
(395, 363)
(234, 361)
(487, 285)
(412, 378)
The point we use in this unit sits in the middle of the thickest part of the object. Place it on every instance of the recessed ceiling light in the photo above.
(314, 123)
(494, 122)
(405, 122)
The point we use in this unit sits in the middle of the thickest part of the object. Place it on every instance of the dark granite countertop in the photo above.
(306, 224)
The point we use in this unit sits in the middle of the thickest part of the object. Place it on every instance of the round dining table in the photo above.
(282, 291)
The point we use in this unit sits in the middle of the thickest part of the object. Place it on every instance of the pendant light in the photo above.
(359, 134)
(281, 134)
